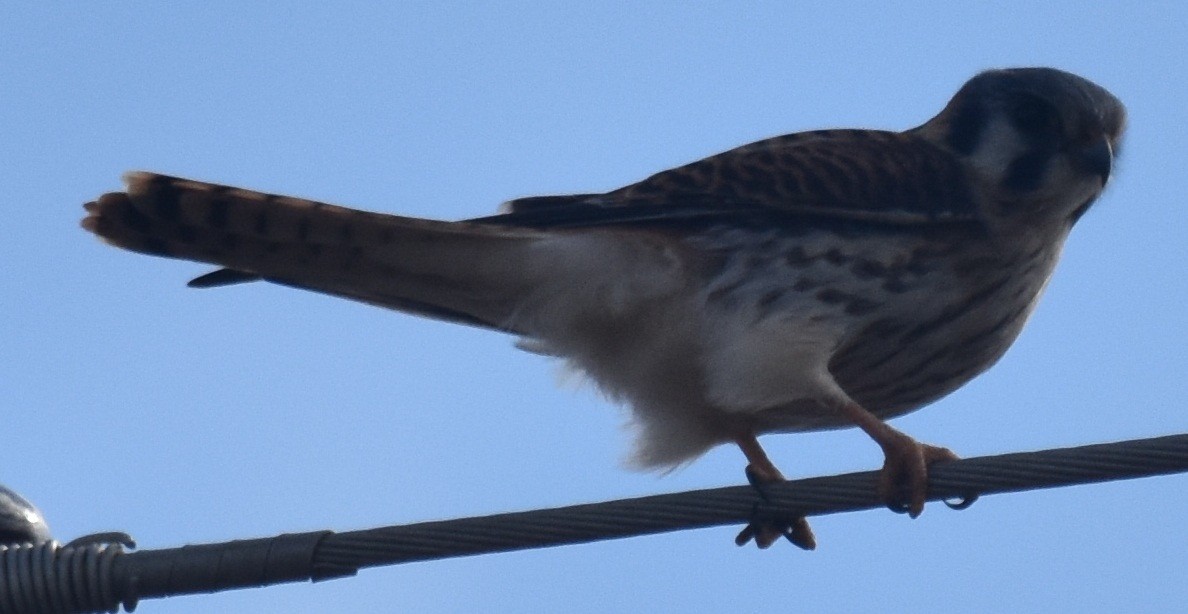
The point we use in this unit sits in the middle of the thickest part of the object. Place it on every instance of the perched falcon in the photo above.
(816, 280)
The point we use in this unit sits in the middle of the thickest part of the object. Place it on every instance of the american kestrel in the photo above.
(817, 280)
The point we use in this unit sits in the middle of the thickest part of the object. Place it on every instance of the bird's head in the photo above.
(1043, 139)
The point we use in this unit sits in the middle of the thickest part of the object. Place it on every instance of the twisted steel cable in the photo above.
(95, 578)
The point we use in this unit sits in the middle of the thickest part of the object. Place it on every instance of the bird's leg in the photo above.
(760, 471)
(905, 468)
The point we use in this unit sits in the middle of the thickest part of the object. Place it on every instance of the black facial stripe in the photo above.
(967, 126)
(1027, 171)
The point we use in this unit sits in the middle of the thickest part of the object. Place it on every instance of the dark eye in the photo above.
(1036, 117)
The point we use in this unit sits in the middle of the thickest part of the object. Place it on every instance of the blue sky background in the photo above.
(181, 416)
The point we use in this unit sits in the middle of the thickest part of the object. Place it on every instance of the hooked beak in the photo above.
(1097, 159)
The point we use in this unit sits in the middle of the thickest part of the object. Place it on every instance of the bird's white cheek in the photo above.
(999, 146)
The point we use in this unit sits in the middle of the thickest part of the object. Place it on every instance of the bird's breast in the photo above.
(893, 318)
(958, 317)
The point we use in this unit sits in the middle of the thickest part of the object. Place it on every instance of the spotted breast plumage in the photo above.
(815, 280)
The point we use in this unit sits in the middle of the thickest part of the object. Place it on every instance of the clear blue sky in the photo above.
(181, 416)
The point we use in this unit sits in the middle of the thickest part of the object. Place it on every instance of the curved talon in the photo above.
(963, 503)
(766, 533)
(748, 532)
(745, 535)
(800, 534)
(899, 507)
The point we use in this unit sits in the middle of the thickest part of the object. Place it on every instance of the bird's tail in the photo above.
(466, 272)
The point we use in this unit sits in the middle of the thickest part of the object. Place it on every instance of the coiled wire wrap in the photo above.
(50, 577)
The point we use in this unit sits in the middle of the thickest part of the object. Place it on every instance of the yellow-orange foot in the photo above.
(766, 532)
(903, 483)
